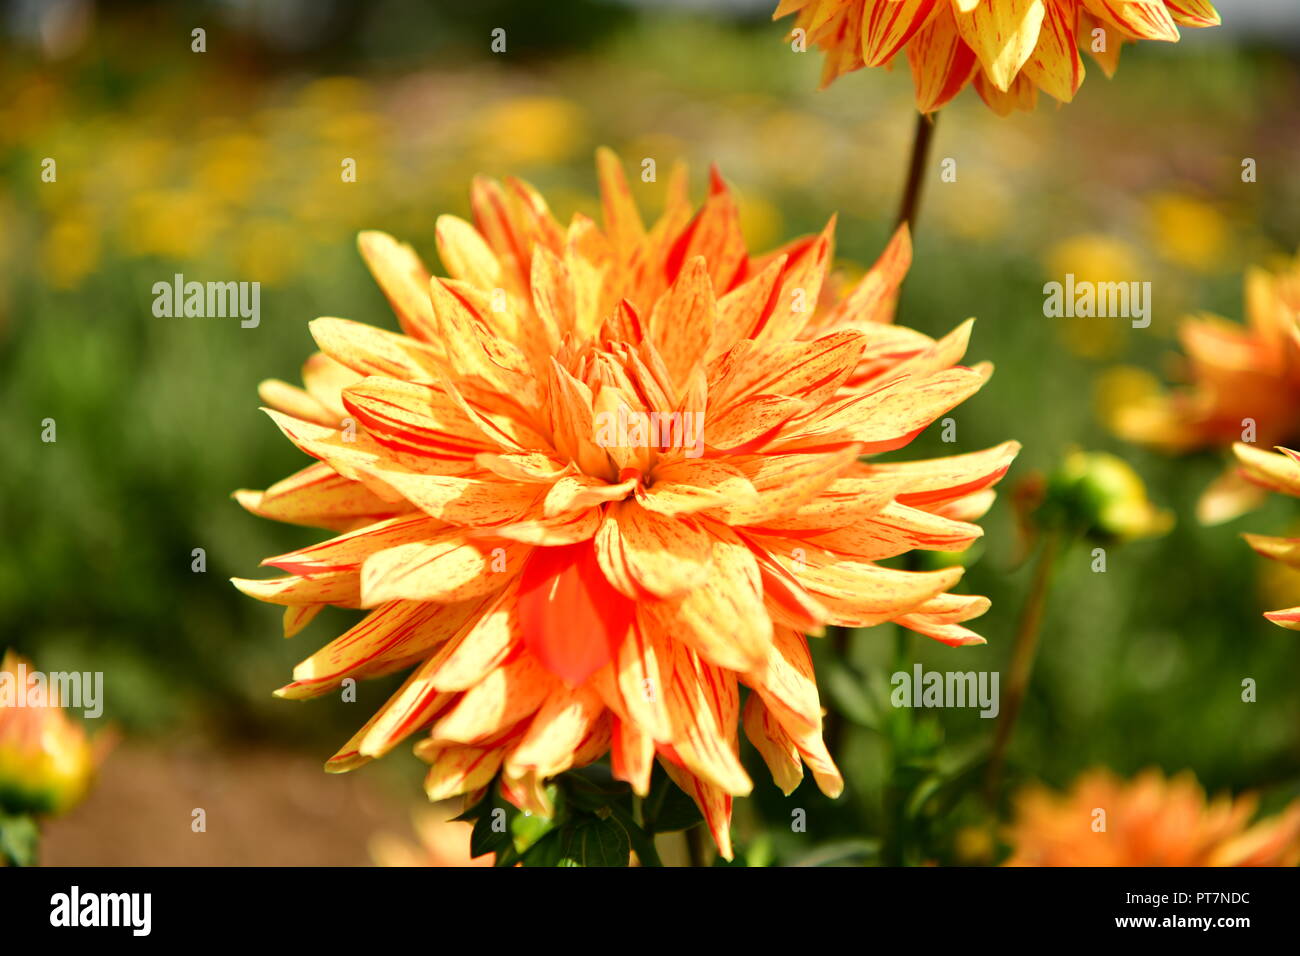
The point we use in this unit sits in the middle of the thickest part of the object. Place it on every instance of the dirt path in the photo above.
(263, 808)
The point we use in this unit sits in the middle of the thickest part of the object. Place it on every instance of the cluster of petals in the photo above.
(1274, 471)
(557, 596)
(1008, 49)
(1241, 383)
(1151, 820)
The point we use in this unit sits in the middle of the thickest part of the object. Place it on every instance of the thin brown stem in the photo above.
(911, 203)
(1023, 651)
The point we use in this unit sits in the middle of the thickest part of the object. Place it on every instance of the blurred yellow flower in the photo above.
(172, 223)
(1188, 231)
(1121, 389)
(333, 94)
(974, 846)
(230, 166)
(70, 251)
(532, 129)
(1097, 259)
(1094, 257)
(1148, 821)
(267, 250)
(46, 762)
(136, 160)
(28, 110)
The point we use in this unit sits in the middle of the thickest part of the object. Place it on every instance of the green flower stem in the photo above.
(642, 837)
(902, 777)
(1023, 652)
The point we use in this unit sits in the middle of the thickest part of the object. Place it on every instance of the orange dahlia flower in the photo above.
(544, 527)
(1275, 472)
(1010, 49)
(1148, 821)
(1243, 384)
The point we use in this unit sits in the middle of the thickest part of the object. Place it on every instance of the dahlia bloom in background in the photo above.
(46, 762)
(1148, 821)
(1009, 49)
(1275, 471)
(568, 575)
(1243, 384)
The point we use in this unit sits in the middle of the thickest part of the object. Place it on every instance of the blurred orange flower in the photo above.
(46, 762)
(1148, 821)
(1244, 385)
(1009, 49)
(541, 525)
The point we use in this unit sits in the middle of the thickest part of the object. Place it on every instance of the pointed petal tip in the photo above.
(340, 763)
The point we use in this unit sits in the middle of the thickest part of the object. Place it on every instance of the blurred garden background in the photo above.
(225, 164)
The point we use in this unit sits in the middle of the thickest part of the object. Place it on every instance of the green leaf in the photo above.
(586, 841)
(593, 788)
(843, 853)
(550, 850)
(848, 693)
(643, 843)
(492, 832)
(597, 842)
(19, 840)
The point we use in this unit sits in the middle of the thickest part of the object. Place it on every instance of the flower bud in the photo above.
(46, 762)
(1101, 495)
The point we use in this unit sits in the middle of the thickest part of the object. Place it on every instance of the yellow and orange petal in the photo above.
(606, 476)
(1243, 384)
(1151, 820)
(1007, 49)
(1273, 471)
(46, 762)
